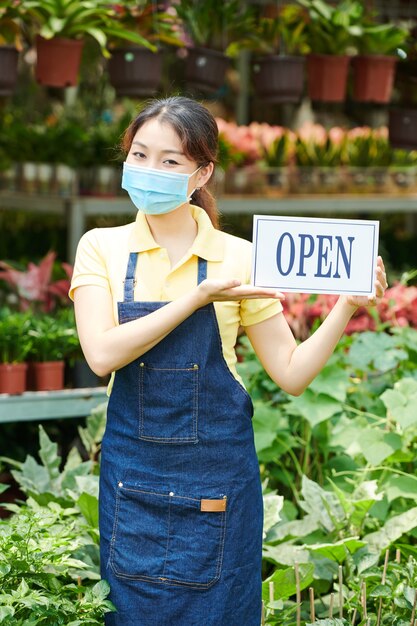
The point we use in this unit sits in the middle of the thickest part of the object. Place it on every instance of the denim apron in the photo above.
(180, 495)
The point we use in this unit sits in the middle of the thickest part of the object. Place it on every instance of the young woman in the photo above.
(159, 302)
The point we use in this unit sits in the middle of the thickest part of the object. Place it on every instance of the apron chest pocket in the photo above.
(168, 403)
(166, 538)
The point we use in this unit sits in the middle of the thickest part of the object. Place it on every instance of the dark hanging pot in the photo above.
(327, 77)
(58, 61)
(83, 376)
(13, 378)
(279, 78)
(205, 69)
(8, 69)
(135, 71)
(402, 128)
(373, 78)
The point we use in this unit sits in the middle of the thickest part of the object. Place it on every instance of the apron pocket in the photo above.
(168, 403)
(167, 538)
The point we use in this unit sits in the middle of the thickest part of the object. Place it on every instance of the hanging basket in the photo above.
(8, 69)
(373, 78)
(279, 78)
(205, 69)
(135, 71)
(327, 77)
(402, 128)
(58, 61)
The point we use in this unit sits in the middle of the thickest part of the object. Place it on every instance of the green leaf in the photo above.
(49, 454)
(337, 551)
(332, 381)
(379, 349)
(265, 424)
(284, 581)
(315, 408)
(400, 487)
(393, 529)
(3, 488)
(377, 445)
(89, 508)
(6, 611)
(401, 402)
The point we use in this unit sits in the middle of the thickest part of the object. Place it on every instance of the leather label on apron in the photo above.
(213, 506)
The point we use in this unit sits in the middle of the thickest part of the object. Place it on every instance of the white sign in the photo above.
(315, 255)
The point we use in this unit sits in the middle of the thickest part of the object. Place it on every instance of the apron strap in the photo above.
(129, 282)
(202, 270)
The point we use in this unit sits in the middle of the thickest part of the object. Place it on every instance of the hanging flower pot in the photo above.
(402, 128)
(279, 78)
(58, 61)
(373, 78)
(13, 378)
(8, 72)
(205, 69)
(135, 71)
(327, 77)
(47, 375)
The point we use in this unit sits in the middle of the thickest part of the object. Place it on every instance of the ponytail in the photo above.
(203, 198)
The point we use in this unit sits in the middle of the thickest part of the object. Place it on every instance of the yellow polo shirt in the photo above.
(103, 253)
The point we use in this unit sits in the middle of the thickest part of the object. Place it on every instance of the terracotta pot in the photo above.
(279, 78)
(8, 72)
(327, 77)
(373, 78)
(205, 69)
(402, 128)
(135, 71)
(13, 378)
(48, 376)
(58, 61)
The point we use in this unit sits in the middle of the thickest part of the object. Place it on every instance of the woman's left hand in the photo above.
(380, 287)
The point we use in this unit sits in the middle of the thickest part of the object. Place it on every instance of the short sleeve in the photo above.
(90, 267)
(258, 310)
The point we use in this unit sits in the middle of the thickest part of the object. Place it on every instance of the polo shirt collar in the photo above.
(208, 244)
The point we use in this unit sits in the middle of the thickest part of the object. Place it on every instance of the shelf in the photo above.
(78, 208)
(46, 405)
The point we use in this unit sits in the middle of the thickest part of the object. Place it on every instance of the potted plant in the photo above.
(217, 30)
(135, 70)
(61, 28)
(331, 33)
(278, 70)
(368, 157)
(53, 339)
(10, 45)
(374, 66)
(15, 344)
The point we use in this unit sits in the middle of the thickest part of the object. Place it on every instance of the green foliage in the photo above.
(15, 342)
(53, 338)
(333, 29)
(284, 34)
(77, 19)
(224, 25)
(343, 455)
(49, 555)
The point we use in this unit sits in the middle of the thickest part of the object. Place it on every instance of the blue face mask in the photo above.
(155, 192)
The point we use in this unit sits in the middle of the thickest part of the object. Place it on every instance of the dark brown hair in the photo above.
(198, 133)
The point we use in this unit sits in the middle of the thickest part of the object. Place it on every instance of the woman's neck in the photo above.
(174, 231)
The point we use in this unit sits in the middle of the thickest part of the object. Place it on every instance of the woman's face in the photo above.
(157, 145)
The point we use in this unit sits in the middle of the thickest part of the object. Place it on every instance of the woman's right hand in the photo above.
(210, 290)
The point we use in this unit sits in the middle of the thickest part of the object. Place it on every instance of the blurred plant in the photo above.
(403, 158)
(223, 25)
(242, 145)
(15, 342)
(77, 19)
(367, 147)
(283, 34)
(316, 146)
(150, 21)
(34, 288)
(276, 143)
(333, 29)
(54, 338)
(11, 25)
